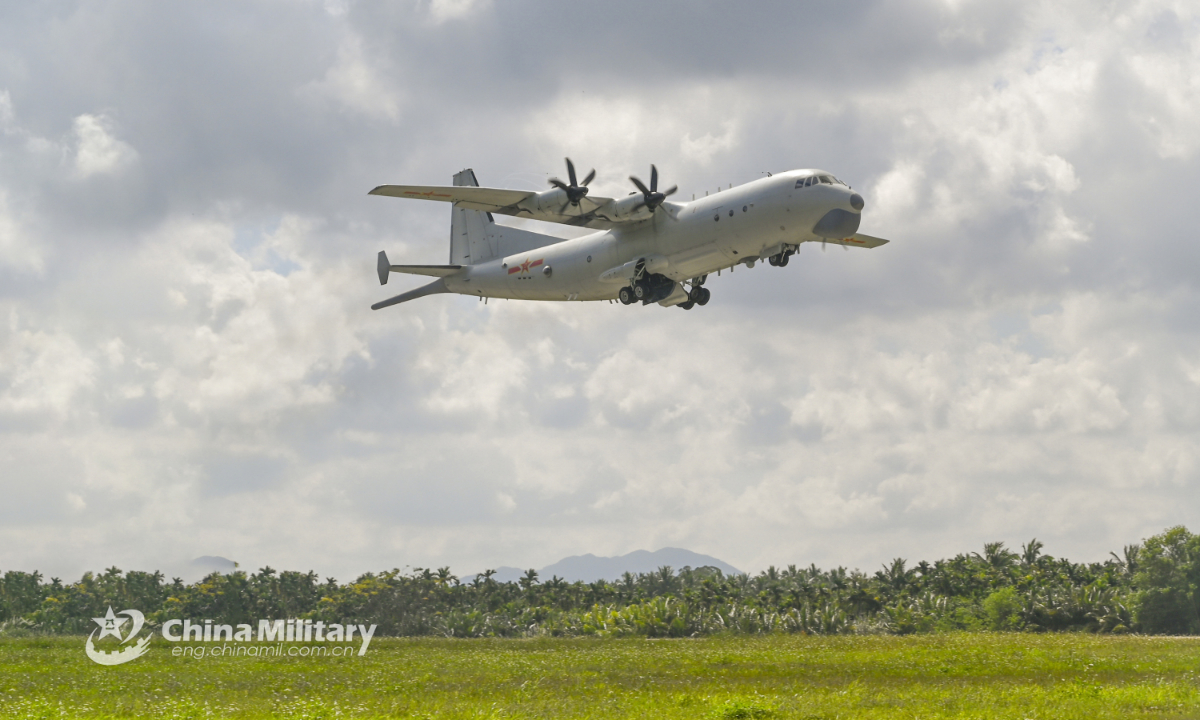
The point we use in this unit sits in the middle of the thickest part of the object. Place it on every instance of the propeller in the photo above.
(651, 197)
(576, 191)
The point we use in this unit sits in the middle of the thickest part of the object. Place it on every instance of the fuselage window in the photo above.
(810, 181)
(825, 179)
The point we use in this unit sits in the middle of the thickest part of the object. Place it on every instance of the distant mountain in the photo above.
(590, 568)
(211, 563)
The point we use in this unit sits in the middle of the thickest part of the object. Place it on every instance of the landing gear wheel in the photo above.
(695, 294)
(783, 259)
(688, 305)
(640, 291)
(705, 294)
(774, 260)
(625, 295)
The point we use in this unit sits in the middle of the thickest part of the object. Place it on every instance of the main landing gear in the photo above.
(697, 295)
(646, 288)
(650, 288)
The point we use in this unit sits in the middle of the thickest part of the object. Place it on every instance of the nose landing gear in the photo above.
(780, 259)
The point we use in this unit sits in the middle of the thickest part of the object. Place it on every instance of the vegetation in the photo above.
(955, 675)
(1151, 588)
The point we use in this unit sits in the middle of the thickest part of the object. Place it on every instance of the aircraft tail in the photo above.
(476, 238)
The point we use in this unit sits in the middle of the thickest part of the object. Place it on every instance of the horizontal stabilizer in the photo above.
(384, 268)
(433, 288)
(430, 270)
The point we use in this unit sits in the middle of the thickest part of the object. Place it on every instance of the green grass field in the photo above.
(930, 676)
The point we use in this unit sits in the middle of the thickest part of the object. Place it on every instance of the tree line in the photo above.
(1151, 587)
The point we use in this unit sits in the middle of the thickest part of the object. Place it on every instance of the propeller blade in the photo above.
(671, 191)
(590, 177)
(558, 183)
(640, 186)
(653, 179)
(571, 172)
(668, 213)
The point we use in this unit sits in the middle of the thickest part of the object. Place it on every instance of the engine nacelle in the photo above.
(627, 207)
(548, 201)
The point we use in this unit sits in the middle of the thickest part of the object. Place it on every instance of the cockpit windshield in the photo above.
(818, 180)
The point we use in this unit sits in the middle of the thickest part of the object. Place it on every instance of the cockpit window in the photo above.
(817, 180)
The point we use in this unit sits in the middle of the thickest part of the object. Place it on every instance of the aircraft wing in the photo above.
(518, 203)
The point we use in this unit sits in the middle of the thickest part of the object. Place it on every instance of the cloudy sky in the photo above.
(189, 365)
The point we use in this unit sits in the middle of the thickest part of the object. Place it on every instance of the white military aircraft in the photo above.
(645, 249)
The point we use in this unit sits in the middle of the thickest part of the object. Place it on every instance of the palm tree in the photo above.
(995, 555)
(895, 575)
(1129, 563)
(1030, 552)
(529, 579)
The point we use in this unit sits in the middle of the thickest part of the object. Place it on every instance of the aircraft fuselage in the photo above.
(743, 224)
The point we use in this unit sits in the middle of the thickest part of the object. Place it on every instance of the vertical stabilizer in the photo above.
(472, 239)
(476, 238)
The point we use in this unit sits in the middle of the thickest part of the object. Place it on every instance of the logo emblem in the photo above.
(525, 267)
(110, 624)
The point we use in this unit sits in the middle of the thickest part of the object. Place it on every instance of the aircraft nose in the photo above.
(856, 201)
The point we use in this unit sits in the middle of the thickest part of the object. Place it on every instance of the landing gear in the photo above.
(696, 296)
(780, 259)
(653, 287)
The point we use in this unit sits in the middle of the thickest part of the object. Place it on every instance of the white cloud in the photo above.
(205, 376)
(444, 10)
(7, 115)
(356, 82)
(97, 151)
(17, 250)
